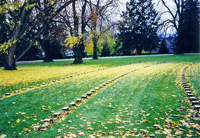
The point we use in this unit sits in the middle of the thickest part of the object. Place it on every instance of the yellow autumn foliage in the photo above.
(27, 75)
(89, 47)
(72, 41)
(4, 47)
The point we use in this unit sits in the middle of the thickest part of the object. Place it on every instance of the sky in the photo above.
(158, 7)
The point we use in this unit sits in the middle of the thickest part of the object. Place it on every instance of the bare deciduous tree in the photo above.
(176, 20)
(102, 13)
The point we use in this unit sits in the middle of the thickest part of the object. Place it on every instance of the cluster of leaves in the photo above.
(106, 38)
(5, 46)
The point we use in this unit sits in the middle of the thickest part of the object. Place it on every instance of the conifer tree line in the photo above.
(30, 25)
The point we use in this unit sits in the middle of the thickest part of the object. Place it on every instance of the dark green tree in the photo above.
(105, 51)
(55, 47)
(183, 20)
(163, 47)
(190, 27)
(32, 54)
(117, 46)
(138, 30)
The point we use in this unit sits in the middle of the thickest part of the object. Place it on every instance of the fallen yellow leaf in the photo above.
(18, 120)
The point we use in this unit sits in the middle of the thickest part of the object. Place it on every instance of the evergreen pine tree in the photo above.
(105, 51)
(138, 30)
(163, 47)
(190, 27)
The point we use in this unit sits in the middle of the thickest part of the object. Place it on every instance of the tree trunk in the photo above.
(77, 50)
(139, 51)
(179, 37)
(95, 56)
(47, 50)
(10, 59)
(78, 53)
(78, 59)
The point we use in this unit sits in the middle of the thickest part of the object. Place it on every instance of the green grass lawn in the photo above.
(194, 77)
(37, 73)
(136, 104)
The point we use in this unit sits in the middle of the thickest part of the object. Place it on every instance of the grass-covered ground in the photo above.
(194, 77)
(37, 73)
(149, 101)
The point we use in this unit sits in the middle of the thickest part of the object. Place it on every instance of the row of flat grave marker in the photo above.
(67, 109)
(92, 91)
(191, 96)
(72, 104)
(38, 85)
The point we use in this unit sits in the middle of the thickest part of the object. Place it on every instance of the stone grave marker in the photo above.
(84, 97)
(36, 126)
(17, 91)
(192, 98)
(197, 106)
(56, 114)
(7, 94)
(89, 93)
(188, 91)
(48, 120)
(195, 102)
(65, 108)
(187, 88)
(190, 95)
(100, 86)
(78, 100)
(72, 103)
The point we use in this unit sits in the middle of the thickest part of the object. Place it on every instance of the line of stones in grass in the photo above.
(58, 80)
(194, 101)
(58, 117)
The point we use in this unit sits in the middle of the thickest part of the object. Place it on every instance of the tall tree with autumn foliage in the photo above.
(101, 13)
(76, 18)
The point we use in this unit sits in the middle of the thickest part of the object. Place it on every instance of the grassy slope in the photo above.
(136, 85)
